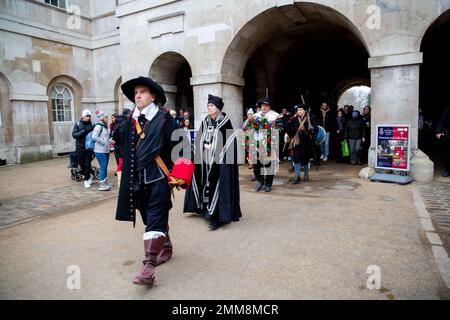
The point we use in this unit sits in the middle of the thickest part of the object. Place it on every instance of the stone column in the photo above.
(231, 91)
(171, 95)
(395, 101)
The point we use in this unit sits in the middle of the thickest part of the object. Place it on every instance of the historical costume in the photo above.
(267, 122)
(146, 147)
(214, 191)
(301, 133)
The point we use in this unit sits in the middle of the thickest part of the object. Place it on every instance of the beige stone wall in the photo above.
(39, 49)
(216, 38)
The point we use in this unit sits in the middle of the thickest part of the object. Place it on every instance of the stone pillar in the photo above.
(171, 95)
(231, 91)
(395, 101)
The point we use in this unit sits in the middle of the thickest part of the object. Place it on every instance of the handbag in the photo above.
(345, 148)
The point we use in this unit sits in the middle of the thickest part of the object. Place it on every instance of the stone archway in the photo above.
(434, 83)
(6, 122)
(118, 97)
(302, 49)
(173, 72)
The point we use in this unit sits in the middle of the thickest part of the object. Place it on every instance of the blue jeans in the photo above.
(325, 146)
(298, 169)
(103, 159)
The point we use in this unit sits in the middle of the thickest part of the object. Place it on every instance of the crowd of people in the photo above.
(346, 137)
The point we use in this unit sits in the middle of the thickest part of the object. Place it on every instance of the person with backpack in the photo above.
(100, 136)
(84, 156)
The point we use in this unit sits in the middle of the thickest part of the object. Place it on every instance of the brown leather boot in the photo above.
(152, 248)
(166, 252)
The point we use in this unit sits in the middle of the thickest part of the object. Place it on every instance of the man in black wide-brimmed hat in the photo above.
(147, 147)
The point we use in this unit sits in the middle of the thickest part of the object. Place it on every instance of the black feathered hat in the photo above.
(217, 101)
(129, 86)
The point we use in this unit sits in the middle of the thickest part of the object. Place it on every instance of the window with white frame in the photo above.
(57, 3)
(62, 104)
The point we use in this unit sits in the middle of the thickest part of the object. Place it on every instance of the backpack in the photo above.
(89, 142)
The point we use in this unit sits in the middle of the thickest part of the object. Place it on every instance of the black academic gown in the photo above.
(214, 191)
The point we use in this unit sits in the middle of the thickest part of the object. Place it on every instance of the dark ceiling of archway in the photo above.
(317, 58)
(435, 70)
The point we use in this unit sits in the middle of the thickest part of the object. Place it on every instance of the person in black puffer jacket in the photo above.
(84, 157)
(355, 134)
(443, 133)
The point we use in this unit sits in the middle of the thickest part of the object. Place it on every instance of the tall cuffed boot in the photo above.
(166, 252)
(152, 248)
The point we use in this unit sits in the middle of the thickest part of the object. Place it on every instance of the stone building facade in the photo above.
(55, 62)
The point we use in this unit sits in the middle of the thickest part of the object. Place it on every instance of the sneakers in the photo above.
(104, 186)
(296, 180)
(90, 180)
(87, 184)
(267, 188)
(259, 186)
(446, 174)
(321, 157)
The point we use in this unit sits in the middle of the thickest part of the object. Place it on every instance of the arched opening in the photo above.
(174, 73)
(64, 109)
(358, 96)
(302, 52)
(434, 85)
(6, 125)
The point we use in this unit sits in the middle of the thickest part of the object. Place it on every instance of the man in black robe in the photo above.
(443, 133)
(214, 191)
(147, 139)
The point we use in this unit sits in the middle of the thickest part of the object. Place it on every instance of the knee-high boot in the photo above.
(166, 252)
(152, 248)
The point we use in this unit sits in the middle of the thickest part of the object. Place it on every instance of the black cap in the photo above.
(217, 101)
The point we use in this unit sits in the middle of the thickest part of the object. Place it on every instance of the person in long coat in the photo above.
(144, 185)
(301, 132)
(214, 191)
(443, 133)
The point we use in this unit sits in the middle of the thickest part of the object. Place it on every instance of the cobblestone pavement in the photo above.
(56, 200)
(436, 196)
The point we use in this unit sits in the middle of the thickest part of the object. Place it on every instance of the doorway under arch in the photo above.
(173, 72)
(434, 85)
(302, 50)
(305, 52)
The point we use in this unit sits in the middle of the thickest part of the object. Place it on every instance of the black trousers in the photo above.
(155, 204)
(84, 160)
(259, 172)
(447, 158)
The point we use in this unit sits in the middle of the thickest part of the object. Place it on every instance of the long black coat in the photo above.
(157, 142)
(218, 183)
(444, 127)
(304, 151)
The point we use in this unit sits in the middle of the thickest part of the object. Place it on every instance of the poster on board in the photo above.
(393, 147)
